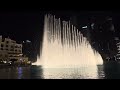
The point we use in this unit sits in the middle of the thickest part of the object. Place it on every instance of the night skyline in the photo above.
(75, 44)
(27, 24)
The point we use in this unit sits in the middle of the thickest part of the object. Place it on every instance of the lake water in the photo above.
(109, 70)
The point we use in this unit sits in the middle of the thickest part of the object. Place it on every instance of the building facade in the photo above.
(103, 37)
(10, 49)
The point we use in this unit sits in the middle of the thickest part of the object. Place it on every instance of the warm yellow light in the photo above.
(70, 53)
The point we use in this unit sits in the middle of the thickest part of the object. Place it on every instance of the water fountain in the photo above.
(65, 47)
(66, 53)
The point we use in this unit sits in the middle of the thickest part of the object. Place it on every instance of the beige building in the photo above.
(9, 49)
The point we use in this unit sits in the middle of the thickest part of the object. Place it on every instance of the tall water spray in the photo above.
(65, 46)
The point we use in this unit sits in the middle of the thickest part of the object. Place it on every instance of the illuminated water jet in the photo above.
(65, 47)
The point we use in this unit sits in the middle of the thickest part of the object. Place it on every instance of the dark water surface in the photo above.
(109, 70)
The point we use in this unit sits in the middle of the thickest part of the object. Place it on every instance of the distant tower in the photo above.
(108, 35)
(91, 23)
(109, 24)
(108, 29)
(93, 28)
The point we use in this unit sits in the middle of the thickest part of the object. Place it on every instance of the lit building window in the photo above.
(28, 41)
(7, 41)
(2, 45)
(19, 50)
(10, 56)
(11, 46)
(16, 46)
(11, 50)
(6, 45)
(92, 25)
(84, 27)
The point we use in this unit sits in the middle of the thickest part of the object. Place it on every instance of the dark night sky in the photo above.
(20, 25)
(28, 24)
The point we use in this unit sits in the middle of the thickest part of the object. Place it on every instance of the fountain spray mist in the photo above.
(65, 47)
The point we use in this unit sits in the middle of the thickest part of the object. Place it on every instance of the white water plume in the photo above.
(65, 46)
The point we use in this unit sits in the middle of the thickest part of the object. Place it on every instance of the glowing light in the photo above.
(5, 61)
(92, 25)
(28, 41)
(21, 59)
(84, 27)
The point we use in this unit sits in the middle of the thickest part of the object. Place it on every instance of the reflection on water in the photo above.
(20, 72)
(36, 72)
(112, 70)
(15, 73)
(70, 73)
(109, 70)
